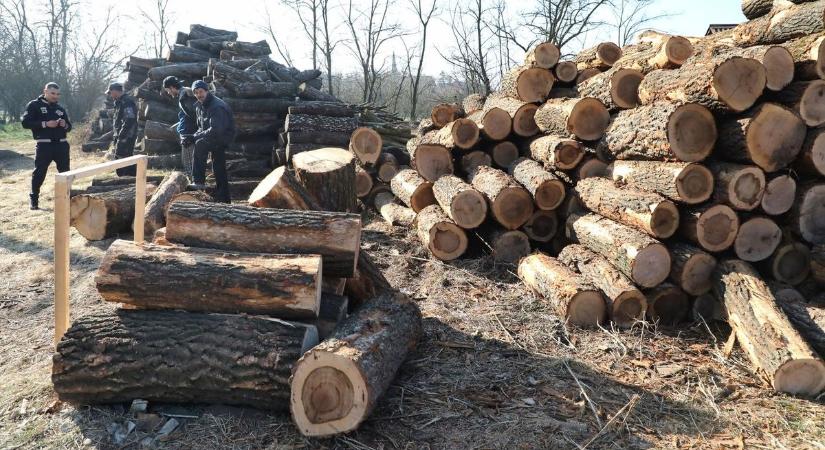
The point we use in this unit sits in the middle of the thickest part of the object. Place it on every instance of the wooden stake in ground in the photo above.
(392, 212)
(460, 201)
(808, 214)
(585, 118)
(667, 305)
(679, 181)
(445, 113)
(337, 384)
(365, 143)
(738, 186)
(790, 263)
(432, 161)
(281, 190)
(105, 214)
(639, 209)
(616, 88)
(575, 300)
(527, 83)
(440, 235)
(544, 55)
(328, 175)
(643, 259)
(712, 227)
(779, 195)
(413, 190)
(522, 113)
(556, 152)
(547, 190)
(599, 57)
(662, 131)
(626, 303)
(692, 268)
(769, 136)
(805, 98)
(226, 359)
(154, 216)
(542, 226)
(765, 333)
(510, 204)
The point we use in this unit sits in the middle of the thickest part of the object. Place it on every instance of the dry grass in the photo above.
(496, 368)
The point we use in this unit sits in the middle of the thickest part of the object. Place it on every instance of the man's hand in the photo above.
(52, 124)
(61, 123)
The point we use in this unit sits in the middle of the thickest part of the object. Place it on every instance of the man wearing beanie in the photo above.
(187, 118)
(216, 130)
(124, 126)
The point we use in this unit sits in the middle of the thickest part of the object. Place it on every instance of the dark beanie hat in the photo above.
(171, 81)
(200, 84)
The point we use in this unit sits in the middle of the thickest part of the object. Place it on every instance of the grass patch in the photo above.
(14, 132)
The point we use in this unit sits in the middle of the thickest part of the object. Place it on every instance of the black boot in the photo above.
(33, 202)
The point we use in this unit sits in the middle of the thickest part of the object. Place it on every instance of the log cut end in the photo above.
(550, 194)
(668, 305)
(589, 119)
(746, 188)
(587, 309)
(800, 377)
(677, 50)
(587, 74)
(510, 246)
(88, 216)
(542, 226)
(566, 71)
(534, 84)
(366, 144)
(468, 208)
(624, 87)
(465, 133)
(739, 82)
(691, 131)
(779, 67)
(443, 114)
(757, 239)
(651, 265)
(779, 195)
(811, 220)
(820, 59)
(475, 159)
(717, 227)
(774, 137)
(363, 182)
(628, 308)
(513, 207)
(496, 124)
(608, 53)
(590, 168)
(524, 122)
(695, 184)
(433, 161)
(695, 277)
(812, 105)
(791, 263)
(447, 241)
(504, 153)
(664, 220)
(544, 55)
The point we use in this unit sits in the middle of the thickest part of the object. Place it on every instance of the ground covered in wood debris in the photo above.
(495, 368)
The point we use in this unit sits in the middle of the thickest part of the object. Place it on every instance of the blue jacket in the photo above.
(125, 119)
(38, 112)
(215, 121)
(187, 113)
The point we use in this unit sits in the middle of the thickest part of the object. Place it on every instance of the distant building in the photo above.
(717, 27)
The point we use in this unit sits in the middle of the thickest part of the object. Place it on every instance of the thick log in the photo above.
(322, 109)
(186, 71)
(511, 205)
(430, 160)
(738, 186)
(365, 143)
(255, 147)
(104, 215)
(586, 74)
(471, 104)
(765, 333)
(808, 213)
(226, 359)
(804, 98)
(503, 153)
(181, 54)
(585, 118)
(521, 113)
(643, 259)
(811, 161)
(425, 126)
(312, 92)
(507, 246)
(154, 216)
(777, 60)
(667, 305)
(601, 57)
(159, 130)
(494, 123)
(161, 112)
(458, 134)
(566, 72)
(445, 113)
(664, 52)
(302, 122)
(190, 196)
(471, 161)
(754, 9)
(712, 227)
(439, 234)
(143, 63)
(691, 268)
(542, 226)
(337, 384)
(616, 88)
(197, 31)
(328, 174)
(682, 182)
(392, 212)
(770, 136)
(387, 167)
(547, 190)
(261, 89)
(780, 192)
(780, 25)
(293, 150)
(808, 53)
(463, 204)
(363, 182)
(413, 190)
(809, 320)
(572, 297)
(527, 83)
(161, 147)
(260, 105)
(556, 152)
(757, 239)
(589, 167)
(335, 236)
(544, 55)
(281, 190)
(790, 263)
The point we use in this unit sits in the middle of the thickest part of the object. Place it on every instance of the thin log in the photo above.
(585, 118)
(155, 212)
(691, 268)
(466, 206)
(547, 190)
(542, 226)
(439, 234)
(392, 212)
(511, 205)
(712, 227)
(556, 152)
(739, 186)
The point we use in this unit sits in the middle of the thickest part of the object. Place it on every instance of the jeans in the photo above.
(45, 153)
(203, 148)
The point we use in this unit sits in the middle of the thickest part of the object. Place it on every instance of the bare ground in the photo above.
(495, 369)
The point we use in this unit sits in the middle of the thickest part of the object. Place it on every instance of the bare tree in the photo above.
(159, 19)
(560, 21)
(283, 50)
(424, 16)
(629, 17)
(471, 52)
(329, 41)
(307, 12)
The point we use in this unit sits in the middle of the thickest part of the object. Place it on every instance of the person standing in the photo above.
(49, 124)
(216, 130)
(124, 125)
(187, 118)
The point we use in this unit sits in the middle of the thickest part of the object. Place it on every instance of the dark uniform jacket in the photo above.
(187, 114)
(38, 112)
(215, 121)
(125, 119)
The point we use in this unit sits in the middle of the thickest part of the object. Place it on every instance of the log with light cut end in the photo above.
(281, 190)
(662, 131)
(458, 134)
(285, 286)
(808, 213)
(643, 259)
(494, 123)
(738, 186)
(625, 302)
(790, 263)
(575, 300)
(642, 210)
(363, 182)
(511, 205)
(566, 72)
(683, 182)
(808, 53)
(392, 212)
(439, 234)
(602, 56)
(721, 84)
(777, 60)
(333, 235)
(544, 55)
(365, 144)
(585, 118)
(672, 52)
(471, 161)
(106, 214)
(780, 192)
(776, 349)
(527, 83)
(337, 384)
(542, 226)
(522, 113)
(444, 113)
(667, 305)
(508, 246)
(328, 175)
(154, 216)
(412, 189)
(503, 153)
(591, 167)
(556, 152)
(811, 161)
(712, 227)
(460, 201)
(770, 136)
(386, 167)
(547, 190)
(431, 161)
(305, 122)
(754, 9)
(616, 88)
(781, 24)
(377, 188)
(806, 99)
(472, 103)
(691, 269)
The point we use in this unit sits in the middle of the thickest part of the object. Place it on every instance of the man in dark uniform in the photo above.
(124, 126)
(49, 123)
(187, 118)
(216, 130)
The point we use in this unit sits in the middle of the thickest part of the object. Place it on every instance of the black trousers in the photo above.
(126, 149)
(45, 153)
(203, 148)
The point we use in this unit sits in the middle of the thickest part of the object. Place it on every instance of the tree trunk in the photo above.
(556, 152)
(781, 25)
(281, 190)
(191, 196)
(460, 133)
(473, 160)
(155, 212)
(586, 74)
(425, 126)
(667, 305)
(804, 98)
(432, 161)
(312, 93)
(503, 153)
(643, 259)
(616, 88)
(461, 202)
(329, 177)
(439, 234)
(445, 113)
(261, 89)
(590, 167)
(301, 122)
(765, 333)
(542, 226)
(573, 298)
(544, 55)
(691, 268)
(494, 123)
(585, 118)
(521, 113)
(387, 167)
(667, 52)
(635, 208)
(547, 190)
(110, 180)
(181, 54)
(779, 195)
(770, 136)
(510, 204)
(261, 105)
(754, 9)
(413, 190)
(322, 109)
(527, 83)
(161, 112)
(738, 186)
(104, 215)
(160, 130)
(470, 104)
(808, 53)
(808, 320)
(392, 212)
(662, 131)
(335, 236)
(601, 57)
(681, 182)
(179, 357)
(337, 384)
(186, 71)
(808, 213)
(366, 144)
(712, 227)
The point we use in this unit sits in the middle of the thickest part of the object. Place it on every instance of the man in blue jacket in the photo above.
(187, 118)
(216, 130)
(49, 124)
(124, 125)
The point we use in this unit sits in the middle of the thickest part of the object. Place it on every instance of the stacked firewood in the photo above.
(671, 174)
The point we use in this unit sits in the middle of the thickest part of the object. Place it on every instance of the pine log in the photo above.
(445, 113)
(790, 263)
(667, 305)
(328, 175)
(547, 190)
(808, 213)
(281, 190)
(494, 123)
(572, 297)
(806, 99)
(527, 83)
(616, 88)
(507, 246)
(542, 226)
(460, 133)
(691, 268)
(363, 182)
(225, 359)
(471, 161)
(544, 55)
(754, 9)
(738, 186)
(503, 153)
(186, 71)
(643, 259)
(470, 104)
(439, 234)
(556, 152)
(104, 215)
(712, 227)
(511, 205)
(566, 71)
(413, 190)
(779, 195)
(155, 213)
(521, 113)
(601, 57)
(365, 144)
(585, 118)
(463, 204)
(432, 161)
(811, 161)
(160, 130)
(682, 182)
(781, 25)
(392, 212)
(770, 136)
(808, 53)
(337, 384)
(335, 236)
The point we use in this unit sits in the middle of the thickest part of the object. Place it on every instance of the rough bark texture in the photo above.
(328, 175)
(510, 204)
(466, 206)
(666, 52)
(679, 181)
(781, 24)
(261, 89)
(155, 212)
(616, 88)
(439, 234)
(808, 53)
(304, 122)
(804, 98)
(808, 320)
(458, 134)
(322, 109)
(601, 57)
(186, 71)
(281, 190)
(585, 118)
(392, 212)
(527, 83)
(159, 130)
(712, 227)
(769, 136)
(754, 9)
(367, 284)
(105, 214)
(547, 190)
(738, 186)
(556, 152)
(412, 189)
(691, 268)
(522, 113)
(471, 104)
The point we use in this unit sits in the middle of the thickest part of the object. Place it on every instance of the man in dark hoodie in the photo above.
(49, 124)
(124, 125)
(187, 118)
(216, 130)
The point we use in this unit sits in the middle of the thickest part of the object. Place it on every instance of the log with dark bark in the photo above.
(466, 206)
(161, 147)
(335, 236)
(445, 113)
(109, 180)
(506, 246)
(337, 384)
(191, 196)
(333, 310)
(780, 192)
(691, 268)
(770, 136)
(413, 190)
(458, 134)
(318, 108)
(589, 167)
(197, 31)
(808, 319)
(160, 130)
(616, 88)
(368, 283)
(738, 186)
(584, 118)
(573, 298)
(586, 74)
(309, 92)
(527, 83)
(243, 168)
(328, 174)
(105, 214)
(432, 161)
(712, 227)
(261, 89)
(186, 71)
(808, 53)
(161, 112)
(780, 25)
(556, 152)
(754, 9)
(154, 216)
(302, 122)
(544, 55)
(226, 359)
(181, 54)
(471, 161)
(521, 113)
(811, 161)
(511, 205)
(808, 213)
(281, 190)
(667, 305)
(277, 106)
(365, 143)
(601, 57)
(392, 212)
(439, 234)
(689, 183)
(547, 190)
(804, 98)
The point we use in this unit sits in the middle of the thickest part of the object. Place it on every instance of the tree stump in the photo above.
(328, 175)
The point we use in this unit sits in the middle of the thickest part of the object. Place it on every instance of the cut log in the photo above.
(806, 99)
(625, 303)
(576, 301)
(327, 138)
(790, 263)
(271, 106)
(377, 188)
(432, 161)
(738, 186)
(601, 57)
(521, 113)
(392, 212)
(186, 71)
(547, 190)
(161, 112)
(757, 239)
(586, 74)
(585, 118)
(387, 167)
(566, 71)
(191, 196)
(202, 31)
(363, 182)
(328, 175)
(470, 104)
(413, 190)
(682, 182)
(779, 195)
(770, 136)
(337, 384)
(642, 210)
(303, 122)
(104, 215)
(225, 359)
(243, 168)
(556, 152)
(322, 109)
(811, 161)
(662, 131)
(503, 153)
(181, 54)
(109, 180)
(707, 308)
(281, 190)
(335, 236)
(765, 333)
(460, 133)
(262, 89)
(712, 227)
(445, 113)
(664, 52)
(809, 320)
(366, 144)
(808, 214)
(544, 55)
(368, 283)
(616, 88)
(511, 205)
(439, 234)
(808, 53)
(466, 206)
(780, 25)
(159, 130)
(667, 305)
(159, 147)
(691, 268)
(155, 212)
(471, 161)
(494, 123)
(507, 246)
(527, 83)
(591, 166)
(754, 9)
(643, 259)
(542, 226)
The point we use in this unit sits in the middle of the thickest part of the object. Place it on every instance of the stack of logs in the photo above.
(671, 178)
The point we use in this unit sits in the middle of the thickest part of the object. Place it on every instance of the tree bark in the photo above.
(460, 133)
(601, 57)
(510, 204)
(781, 25)
(770, 136)
(328, 176)
(365, 144)
(691, 268)
(807, 319)
(301, 122)
(463, 204)
(392, 212)
(262, 89)
(804, 98)
(556, 152)
(616, 89)
(521, 113)
(547, 190)
(527, 83)
(322, 109)
(808, 53)
(333, 310)
(155, 213)
(712, 227)
(104, 215)
(160, 130)
(277, 106)
(471, 104)
(181, 54)
(431, 161)
(689, 183)
(159, 147)
(281, 190)
(808, 213)
(585, 118)
(413, 190)
(109, 180)
(367, 284)
(161, 112)
(667, 52)
(440, 235)
(186, 71)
